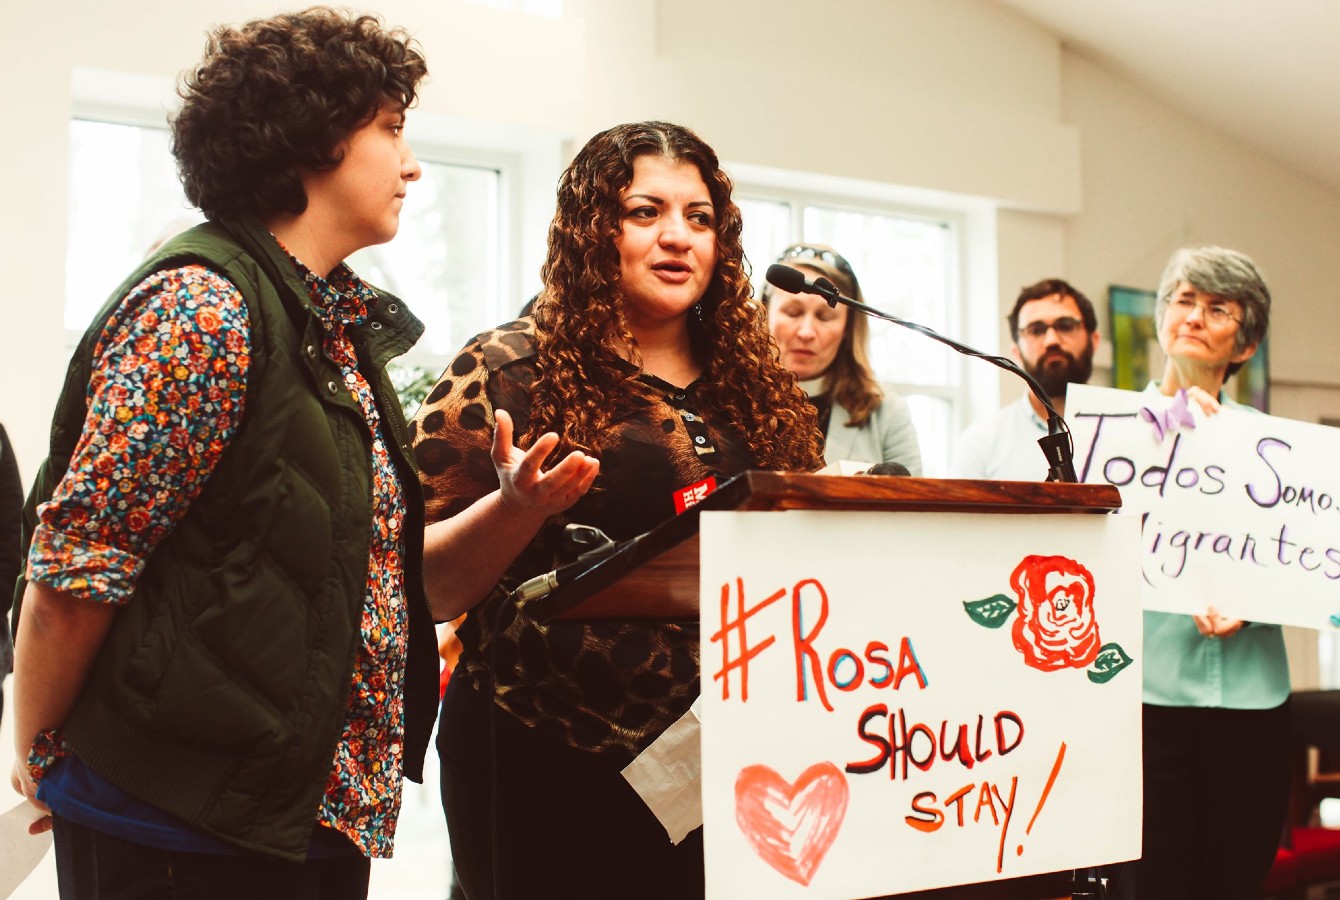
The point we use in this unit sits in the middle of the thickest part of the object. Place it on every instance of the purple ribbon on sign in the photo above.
(1176, 415)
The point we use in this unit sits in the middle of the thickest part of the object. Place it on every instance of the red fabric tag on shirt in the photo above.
(694, 494)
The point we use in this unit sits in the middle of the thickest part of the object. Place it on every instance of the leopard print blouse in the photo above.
(606, 688)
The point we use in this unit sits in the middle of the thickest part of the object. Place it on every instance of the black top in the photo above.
(610, 688)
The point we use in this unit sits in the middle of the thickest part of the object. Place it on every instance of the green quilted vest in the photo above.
(220, 691)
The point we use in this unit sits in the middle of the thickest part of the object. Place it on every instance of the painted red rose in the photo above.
(1055, 628)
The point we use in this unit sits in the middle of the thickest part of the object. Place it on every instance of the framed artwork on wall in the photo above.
(1137, 357)
(1135, 344)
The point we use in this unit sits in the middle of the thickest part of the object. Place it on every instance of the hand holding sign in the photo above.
(1244, 508)
(1216, 626)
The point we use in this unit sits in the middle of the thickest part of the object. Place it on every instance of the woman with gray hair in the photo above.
(1216, 751)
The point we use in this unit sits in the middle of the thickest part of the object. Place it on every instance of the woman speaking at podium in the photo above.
(644, 377)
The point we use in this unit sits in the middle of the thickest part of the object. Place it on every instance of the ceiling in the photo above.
(1266, 72)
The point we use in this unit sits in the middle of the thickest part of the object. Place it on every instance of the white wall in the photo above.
(1154, 180)
(1066, 169)
(901, 105)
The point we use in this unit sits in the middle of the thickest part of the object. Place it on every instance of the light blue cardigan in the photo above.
(888, 436)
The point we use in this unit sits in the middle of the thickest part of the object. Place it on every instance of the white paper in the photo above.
(884, 710)
(845, 467)
(668, 776)
(1237, 507)
(20, 852)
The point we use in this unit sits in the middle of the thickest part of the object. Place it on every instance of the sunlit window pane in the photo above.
(444, 262)
(124, 199)
(904, 267)
(934, 421)
(767, 231)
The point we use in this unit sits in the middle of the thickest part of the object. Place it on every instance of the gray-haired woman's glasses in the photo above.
(1214, 313)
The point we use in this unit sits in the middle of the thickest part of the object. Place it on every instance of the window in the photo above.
(552, 9)
(124, 200)
(908, 266)
(447, 261)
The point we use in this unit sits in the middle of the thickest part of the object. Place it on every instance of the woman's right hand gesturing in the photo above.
(526, 488)
(465, 554)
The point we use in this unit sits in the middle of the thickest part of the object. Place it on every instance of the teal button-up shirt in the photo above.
(1249, 670)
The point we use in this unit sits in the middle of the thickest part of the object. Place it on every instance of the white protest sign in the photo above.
(904, 701)
(20, 852)
(1238, 509)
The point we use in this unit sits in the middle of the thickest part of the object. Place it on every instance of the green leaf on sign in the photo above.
(1111, 660)
(991, 612)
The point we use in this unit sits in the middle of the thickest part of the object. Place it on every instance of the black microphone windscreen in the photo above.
(784, 277)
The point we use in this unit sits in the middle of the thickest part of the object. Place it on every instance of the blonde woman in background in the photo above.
(828, 349)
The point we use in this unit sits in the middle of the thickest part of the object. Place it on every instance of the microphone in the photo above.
(1057, 446)
(601, 547)
(786, 278)
(793, 282)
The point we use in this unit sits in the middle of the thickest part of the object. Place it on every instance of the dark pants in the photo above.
(568, 824)
(91, 865)
(1216, 792)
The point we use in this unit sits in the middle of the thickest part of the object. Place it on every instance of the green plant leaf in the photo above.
(1111, 660)
(991, 612)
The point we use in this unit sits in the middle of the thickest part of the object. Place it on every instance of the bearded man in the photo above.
(1055, 332)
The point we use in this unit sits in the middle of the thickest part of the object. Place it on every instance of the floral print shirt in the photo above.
(166, 397)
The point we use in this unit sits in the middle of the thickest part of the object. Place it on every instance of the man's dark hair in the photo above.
(279, 96)
(1046, 288)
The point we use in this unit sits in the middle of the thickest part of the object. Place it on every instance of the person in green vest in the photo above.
(225, 660)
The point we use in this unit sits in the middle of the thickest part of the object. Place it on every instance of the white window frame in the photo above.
(962, 216)
(528, 162)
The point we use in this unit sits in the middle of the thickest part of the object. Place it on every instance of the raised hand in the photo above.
(525, 487)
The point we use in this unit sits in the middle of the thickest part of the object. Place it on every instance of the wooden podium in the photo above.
(656, 577)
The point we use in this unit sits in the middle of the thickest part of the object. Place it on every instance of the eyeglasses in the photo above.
(1214, 313)
(1064, 325)
(832, 257)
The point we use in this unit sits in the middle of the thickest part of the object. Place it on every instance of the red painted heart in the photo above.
(791, 828)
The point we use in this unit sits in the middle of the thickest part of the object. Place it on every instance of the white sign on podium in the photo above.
(901, 701)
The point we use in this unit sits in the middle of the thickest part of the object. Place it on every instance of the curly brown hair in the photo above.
(281, 95)
(583, 383)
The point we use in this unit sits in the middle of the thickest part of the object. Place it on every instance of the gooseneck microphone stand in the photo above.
(1057, 446)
